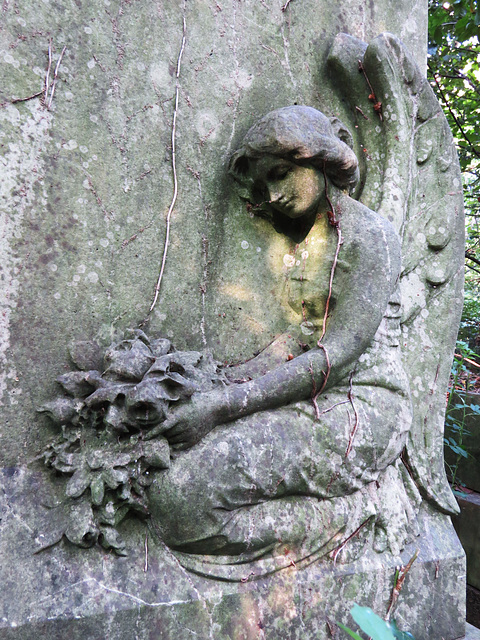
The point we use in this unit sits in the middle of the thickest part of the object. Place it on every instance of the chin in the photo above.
(295, 214)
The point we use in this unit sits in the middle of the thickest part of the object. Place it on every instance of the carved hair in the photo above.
(302, 135)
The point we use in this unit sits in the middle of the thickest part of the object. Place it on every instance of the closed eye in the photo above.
(279, 173)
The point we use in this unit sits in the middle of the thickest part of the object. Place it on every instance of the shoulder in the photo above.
(369, 240)
(364, 227)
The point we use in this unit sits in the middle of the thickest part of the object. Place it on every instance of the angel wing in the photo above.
(411, 175)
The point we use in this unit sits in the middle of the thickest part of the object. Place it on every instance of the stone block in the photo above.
(147, 595)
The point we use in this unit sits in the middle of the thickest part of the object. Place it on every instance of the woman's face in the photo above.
(293, 190)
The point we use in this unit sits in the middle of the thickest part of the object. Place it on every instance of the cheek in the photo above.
(311, 190)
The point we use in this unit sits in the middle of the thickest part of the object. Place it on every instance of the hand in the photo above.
(190, 421)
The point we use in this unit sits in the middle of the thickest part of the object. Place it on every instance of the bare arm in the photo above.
(363, 291)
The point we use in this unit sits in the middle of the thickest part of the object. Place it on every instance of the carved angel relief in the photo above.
(319, 446)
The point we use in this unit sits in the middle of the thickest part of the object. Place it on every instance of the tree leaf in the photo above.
(371, 624)
(351, 633)
(400, 635)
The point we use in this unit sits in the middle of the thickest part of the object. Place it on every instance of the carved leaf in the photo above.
(81, 529)
(110, 539)
(160, 347)
(129, 359)
(80, 383)
(86, 355)
(107, 394)
(61, 410)
(78, 483)
(114, 477)
(97, 489)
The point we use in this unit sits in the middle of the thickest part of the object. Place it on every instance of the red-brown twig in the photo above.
(377, 105)
(314, 393)
(247, 578)
(360, 111)
(35, 95)
(355, 426)
(174, 167)
(336, 552)
(326, 374)
(472, 362)
(399, 580)
(331, 628)
(334, 222)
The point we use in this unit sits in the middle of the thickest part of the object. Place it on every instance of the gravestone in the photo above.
(125, 207)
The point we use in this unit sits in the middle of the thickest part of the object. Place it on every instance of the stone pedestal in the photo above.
(63, 592)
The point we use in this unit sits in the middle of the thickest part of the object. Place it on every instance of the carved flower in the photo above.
(103, 417)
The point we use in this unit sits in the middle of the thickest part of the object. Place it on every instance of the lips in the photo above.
(284, 202)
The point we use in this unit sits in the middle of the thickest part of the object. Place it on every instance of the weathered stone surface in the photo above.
(86, 184)
(90, 179)
(148, 595)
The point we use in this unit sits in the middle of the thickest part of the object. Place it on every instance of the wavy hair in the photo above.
(302, 135)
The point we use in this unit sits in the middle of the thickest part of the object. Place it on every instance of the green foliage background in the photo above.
(454, 72)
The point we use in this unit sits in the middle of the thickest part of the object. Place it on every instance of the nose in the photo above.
(274, 194)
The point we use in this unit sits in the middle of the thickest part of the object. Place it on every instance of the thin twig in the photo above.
(337, 404)
(284, 7)
(35, 95)
(468, 266)
(472, 362)
(377, 105)
(331, 628)
(55, 76)
(463, 77)
(472, 258)
(335, 222)
(326, 375)
(264, 46)
(174, 166)
(314, 394)
(399, 580)
(336, 552)
(358, 109)
(435, 380)
(355, 426)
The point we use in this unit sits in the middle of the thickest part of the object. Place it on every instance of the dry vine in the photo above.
(334, 222)
(48, 89)
(174, 166)
(355, 426)
(377, 105)
(400, 576)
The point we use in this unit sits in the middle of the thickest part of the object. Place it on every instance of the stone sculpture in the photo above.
(322, 444)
